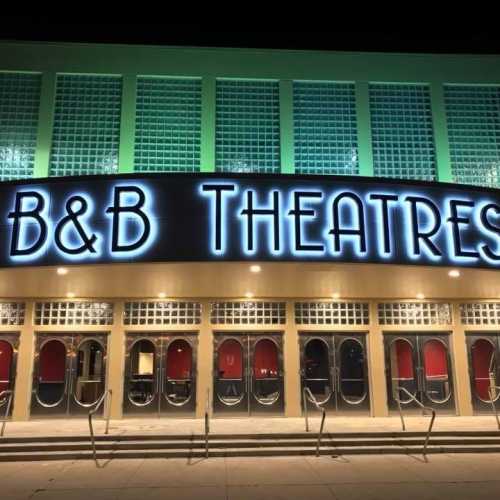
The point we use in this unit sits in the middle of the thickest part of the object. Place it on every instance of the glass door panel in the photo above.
(143, 386)
(52, 373)
(179, 375)
(483, 362)
(8, 358)
(316, 369)
(403, 373)
(353, 379)
(436, 371)
(266, 385)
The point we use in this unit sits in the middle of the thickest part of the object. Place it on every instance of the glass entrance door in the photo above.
(160, 374)
(418, 365)
(334, 368)
(248, 374)
(9, 344)
(484, 355)
(69, 375)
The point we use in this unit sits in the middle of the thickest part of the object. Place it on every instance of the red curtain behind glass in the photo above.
(481, 358)
(265, 362)
(179, 360)
(230, 360)
(5, 365)
(52, 362)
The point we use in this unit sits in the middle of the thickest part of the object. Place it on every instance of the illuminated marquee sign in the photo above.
(177, 217)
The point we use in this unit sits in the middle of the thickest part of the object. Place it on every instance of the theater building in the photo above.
(185, 225)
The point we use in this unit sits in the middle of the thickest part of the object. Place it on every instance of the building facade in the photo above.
(183, 226)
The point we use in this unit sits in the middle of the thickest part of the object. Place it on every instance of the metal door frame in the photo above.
(343, 406)
(161, 340)
(334, 340)
(71, 340)
(449, 403)
(328, 339)
(255, 407)
(188, 408)
(75, 407)
(241, 408)
(12, 338)
(471, 336)
(248, 339)
(417, 339)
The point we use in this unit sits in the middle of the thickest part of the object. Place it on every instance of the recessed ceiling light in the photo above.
(255, 268)
(249, 295)
(61, 271)
(70, 295)
(454, 273)
(162, 295)
(335, 295)
(420, 296)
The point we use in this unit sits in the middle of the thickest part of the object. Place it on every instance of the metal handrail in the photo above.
(92, 412)
(207, 421)
(308, 394)
(491, 391)
(424, 408)
(9, 395)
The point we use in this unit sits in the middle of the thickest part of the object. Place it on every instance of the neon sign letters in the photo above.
(203, 218)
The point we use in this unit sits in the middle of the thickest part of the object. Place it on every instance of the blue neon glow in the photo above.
(70, 237)
(25, 224)
(261, 219)
(449, 233)
(352, 240)
(211, 196)
(305, 220)
(492, 237)
(125, 235)
(379, 222)
(429, 222)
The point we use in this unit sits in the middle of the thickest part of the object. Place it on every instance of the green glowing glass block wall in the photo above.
(168, 125)
(247, 130)
(473, 117)
(402, 131)
(325, 130)
(19, 105)
(86, 132)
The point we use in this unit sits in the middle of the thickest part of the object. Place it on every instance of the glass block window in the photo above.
(12, 313)
(168, 125)
(248, 313)
(414, 313)
(73, 313)
(324, 124)
(480, 313)
(19, 103)
(402, 132)
(162, 313)
(86, 132)
(247, 131)
(473, 116)
(331, 313)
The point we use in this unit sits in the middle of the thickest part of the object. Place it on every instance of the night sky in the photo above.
(39, 29)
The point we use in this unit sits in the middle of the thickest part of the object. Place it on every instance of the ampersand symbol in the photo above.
(73, 214)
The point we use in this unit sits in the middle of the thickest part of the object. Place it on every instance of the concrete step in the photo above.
(277, 451)
(184, 437)
(216, 443)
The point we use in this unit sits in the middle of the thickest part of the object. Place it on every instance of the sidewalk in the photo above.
(255, 425)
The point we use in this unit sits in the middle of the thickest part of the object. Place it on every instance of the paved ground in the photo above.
(471, 477)
(243, 425)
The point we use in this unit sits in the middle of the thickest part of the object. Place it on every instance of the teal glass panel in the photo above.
(168, 125)
(86, 133)
(247, 126)
(19, 106)
(473, 117)
(325, 132)
(402, 131)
